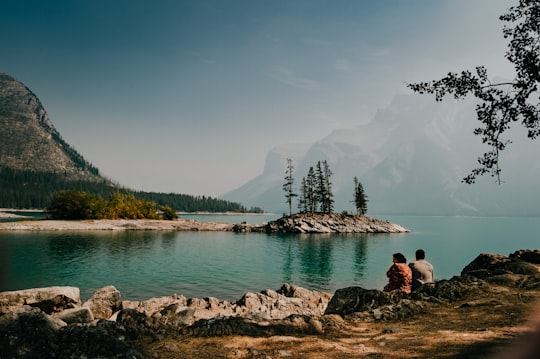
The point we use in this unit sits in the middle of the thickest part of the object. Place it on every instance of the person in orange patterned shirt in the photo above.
(399, 275)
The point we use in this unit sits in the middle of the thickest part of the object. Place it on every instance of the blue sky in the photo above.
(189, 96)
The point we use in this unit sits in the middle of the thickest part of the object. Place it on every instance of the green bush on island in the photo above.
(72, 204)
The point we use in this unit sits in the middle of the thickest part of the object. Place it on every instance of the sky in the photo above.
(189, 96)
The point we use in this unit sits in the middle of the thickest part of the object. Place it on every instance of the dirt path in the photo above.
(478, 327)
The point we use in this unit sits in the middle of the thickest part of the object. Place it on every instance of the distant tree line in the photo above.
(32, 189)
(316, 195)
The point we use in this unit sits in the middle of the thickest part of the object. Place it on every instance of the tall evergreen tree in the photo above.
(329, 199)
(303, 202)
(360, 198)
(323, 191)
(288, 185)
(311, 181)
(320, 188)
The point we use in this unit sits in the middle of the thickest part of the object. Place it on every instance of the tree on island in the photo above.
(316, 190)
(360, 198)
(324, 187)
(288, 185)
(307, 202)
(503, 103)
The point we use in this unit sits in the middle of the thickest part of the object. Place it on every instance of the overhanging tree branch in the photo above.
(497, 110)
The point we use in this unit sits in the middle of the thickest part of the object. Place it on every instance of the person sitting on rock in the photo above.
(399, 275)
(422, 270)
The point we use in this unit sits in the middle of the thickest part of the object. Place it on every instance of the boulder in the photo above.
(173, 317)
(50, 299)
(356, 299)
(28, 332)
(288, 300)
(292, 325)
(153, 305)
(527, 255)
(105, 339)
(104, 302)
(76, 315)
(314, 301)
(531, 282)
(450, 290)
(487, 265)
(137, 325)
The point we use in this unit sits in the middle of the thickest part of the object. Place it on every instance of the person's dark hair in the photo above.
(399, 257)
(420, 254)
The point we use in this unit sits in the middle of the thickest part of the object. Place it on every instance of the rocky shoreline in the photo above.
(335, 223)
(52, 322)
(324, 223)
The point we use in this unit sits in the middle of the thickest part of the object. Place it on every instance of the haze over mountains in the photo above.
(410, 159)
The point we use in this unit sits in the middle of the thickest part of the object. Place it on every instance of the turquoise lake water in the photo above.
(225, 265)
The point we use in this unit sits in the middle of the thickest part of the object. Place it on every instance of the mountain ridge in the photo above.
(411, 159)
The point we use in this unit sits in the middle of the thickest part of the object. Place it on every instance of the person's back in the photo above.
(422, 270)
(399, 275)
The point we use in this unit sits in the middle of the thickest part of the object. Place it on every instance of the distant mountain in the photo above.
(410, 159)
(28, 139)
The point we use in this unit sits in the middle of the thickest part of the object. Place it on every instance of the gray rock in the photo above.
(356, 299)
(27, 332)
(527, 255)
(104, 302)
(487, 265)
(76, 315)
(106, 339)
(50, 299)
(153, 305)
(294, 324)
(531, 282)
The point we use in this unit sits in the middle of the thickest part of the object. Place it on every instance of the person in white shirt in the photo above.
(422, 270)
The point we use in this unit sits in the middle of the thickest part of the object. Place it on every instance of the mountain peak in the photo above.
(28, 139)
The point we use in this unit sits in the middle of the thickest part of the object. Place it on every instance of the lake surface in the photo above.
(225, 265)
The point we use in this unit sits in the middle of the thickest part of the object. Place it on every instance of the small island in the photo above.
(323, 223)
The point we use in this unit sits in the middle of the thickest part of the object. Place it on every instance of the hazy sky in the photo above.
(189, 96)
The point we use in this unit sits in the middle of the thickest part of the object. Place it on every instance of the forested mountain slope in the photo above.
(36, 162)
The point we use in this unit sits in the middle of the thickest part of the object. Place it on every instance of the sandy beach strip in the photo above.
(118, 224)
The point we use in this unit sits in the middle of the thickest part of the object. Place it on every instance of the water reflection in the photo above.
(315, 252)
(142, 264)
(288, 261)
(360, 257)
(168, 240)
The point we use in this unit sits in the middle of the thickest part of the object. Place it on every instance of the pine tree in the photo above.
(323, 190)
(311, 181)
(288, 185)
(329, 200)
(303, 198)
(360, 198)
